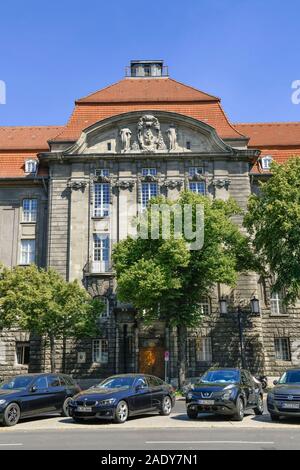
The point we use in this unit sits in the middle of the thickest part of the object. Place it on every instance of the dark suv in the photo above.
(226, 392)
(284, 398)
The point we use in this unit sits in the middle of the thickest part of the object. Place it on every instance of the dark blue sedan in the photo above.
(35, 394)
(121, 396)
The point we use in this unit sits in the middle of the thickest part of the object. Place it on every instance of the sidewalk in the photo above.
(154, 421)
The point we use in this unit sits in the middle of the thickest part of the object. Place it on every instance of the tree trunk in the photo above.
(181, 339)
(52, 354)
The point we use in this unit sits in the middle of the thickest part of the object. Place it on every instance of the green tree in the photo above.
(164, 279)
(273, 220)
(42, 302)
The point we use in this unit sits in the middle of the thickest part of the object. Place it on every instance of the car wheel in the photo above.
(121, 413)
(11, 415)
(274, 417)
(192, 414)
(65, 407)
(166, 406)
(240, 411)
(259, 409)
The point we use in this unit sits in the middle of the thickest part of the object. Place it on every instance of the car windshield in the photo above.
(221, 376)
(19, 383)
(290, 377)
(116, 382)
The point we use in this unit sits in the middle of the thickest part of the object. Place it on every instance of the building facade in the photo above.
(68, 193)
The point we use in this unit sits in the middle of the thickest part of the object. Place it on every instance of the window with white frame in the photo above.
(282, 349)
(29, 210)
(101, 172)
(27, 255)
(101, 252)
(204, 349)
(149, 190)
(266, 162)
(149, 172)
(198, 187)
(101, 199)
(105, 311)
(204, 306)
(100, 351)
(276, 304)
(30, 166)
(195, 170)
(23, 352)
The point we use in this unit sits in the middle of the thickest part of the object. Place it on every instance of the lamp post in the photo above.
(254, 309)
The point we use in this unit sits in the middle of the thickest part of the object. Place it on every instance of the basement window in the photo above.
(23, 352)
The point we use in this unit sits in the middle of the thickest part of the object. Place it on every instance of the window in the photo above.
(204, 306)
(53, 381)
(102, 171)
(100, 351)
(282, 349)
(41, 383)
(101, 199)
(188, 145)
(149, 171)
(204, 349)
(23, 352)
(149, 190)
(276, 304)
(30, 166)
(105, 311)
(195, 170)
(27, 251)
(198, 187)
(101, 252)
(266, 162)
(109, 146)
(29, 210)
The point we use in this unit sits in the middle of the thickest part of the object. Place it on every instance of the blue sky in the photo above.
(245, 51)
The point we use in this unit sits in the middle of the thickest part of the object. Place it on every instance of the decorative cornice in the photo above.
(172, 184)
(197, 177)
(77, 185)
(149, 179)
(221, 183)
(124, 184)
(100, 179)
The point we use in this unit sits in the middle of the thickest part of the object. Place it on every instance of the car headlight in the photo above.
(2, 402)
(110, 401)
(189, 396)
(271, 396)
(227, 395)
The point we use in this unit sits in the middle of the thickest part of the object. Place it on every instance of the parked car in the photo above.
(225, 392)
(121, 396)
(284, 398)
(35, 394)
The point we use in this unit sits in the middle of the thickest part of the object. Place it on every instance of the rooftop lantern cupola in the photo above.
(146, 69)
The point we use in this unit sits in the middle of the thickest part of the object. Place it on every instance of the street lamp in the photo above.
(255, 310)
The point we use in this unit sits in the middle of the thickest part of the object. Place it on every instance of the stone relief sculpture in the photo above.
(125, 139)
(172, 136)
(149, 134)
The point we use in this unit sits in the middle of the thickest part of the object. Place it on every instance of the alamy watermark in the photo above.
(2, 92)
(296, 94)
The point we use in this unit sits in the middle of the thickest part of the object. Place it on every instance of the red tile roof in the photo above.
(135, 90)
(163, 94)
(12, 163)
(271, 133)
(31, 137)
(278, 155)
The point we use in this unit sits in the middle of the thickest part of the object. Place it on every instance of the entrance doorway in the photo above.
(151, 360)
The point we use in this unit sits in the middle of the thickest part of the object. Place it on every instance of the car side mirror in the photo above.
(275, 382)
(139, 387)
(33, 388)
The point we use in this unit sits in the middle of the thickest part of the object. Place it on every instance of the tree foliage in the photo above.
(273, 220)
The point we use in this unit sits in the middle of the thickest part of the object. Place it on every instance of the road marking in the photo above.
(209, 442)
(14, 444)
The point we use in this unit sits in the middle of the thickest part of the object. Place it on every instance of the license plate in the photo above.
(294, 406)
(206, 402)
(83, 409)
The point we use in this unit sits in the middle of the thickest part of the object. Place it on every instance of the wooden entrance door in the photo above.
(151, 361)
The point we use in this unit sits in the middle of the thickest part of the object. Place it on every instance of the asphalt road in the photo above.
(149, 433)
